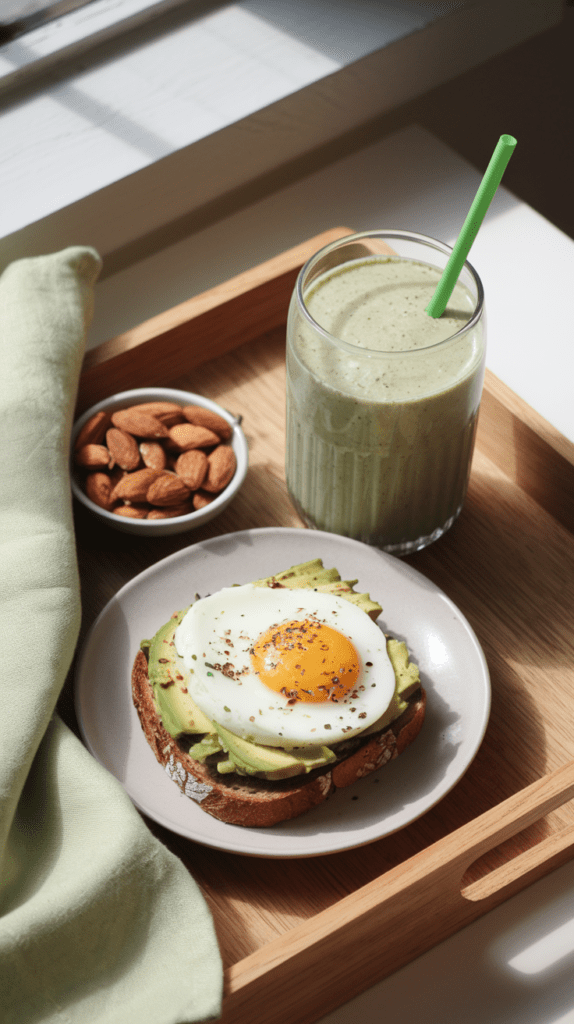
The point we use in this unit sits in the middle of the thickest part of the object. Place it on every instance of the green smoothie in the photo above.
(382, 404)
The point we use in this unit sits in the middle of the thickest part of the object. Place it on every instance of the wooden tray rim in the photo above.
(380, 906)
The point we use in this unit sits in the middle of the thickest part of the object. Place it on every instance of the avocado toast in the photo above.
(247, 783)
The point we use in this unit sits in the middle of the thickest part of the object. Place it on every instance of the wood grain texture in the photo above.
(417, 904)
(536, 456)
(300, 937)
(201, 329)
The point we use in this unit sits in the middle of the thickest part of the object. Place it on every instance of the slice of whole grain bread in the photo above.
(250, 801)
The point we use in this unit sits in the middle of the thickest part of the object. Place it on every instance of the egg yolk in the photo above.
(306, 661)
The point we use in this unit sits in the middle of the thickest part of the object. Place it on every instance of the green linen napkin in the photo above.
(99, 922)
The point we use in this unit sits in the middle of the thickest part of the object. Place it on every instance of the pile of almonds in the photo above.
(155, 460)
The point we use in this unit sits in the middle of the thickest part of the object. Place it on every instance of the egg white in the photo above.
(214, 640)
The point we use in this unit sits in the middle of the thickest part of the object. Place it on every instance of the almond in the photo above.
(167, 413)
(191, 466)
(94, 429)
(153, 455)
(123, 448)
(99, 489)
(171, 511)
(116, 474)
(133, 487)
(140, 424)
(202, 417)
(167, 489)
(221, 465)
(92, 455)
(171, 443)
(186, 435)
(131, 511)
(201, 499)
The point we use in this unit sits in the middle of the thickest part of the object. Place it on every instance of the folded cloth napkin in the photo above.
(99, 922)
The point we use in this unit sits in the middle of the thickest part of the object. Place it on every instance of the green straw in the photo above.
(482, 200)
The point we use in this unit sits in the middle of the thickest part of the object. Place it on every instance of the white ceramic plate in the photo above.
(441, 641)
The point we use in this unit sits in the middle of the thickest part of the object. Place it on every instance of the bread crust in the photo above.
(254, 802)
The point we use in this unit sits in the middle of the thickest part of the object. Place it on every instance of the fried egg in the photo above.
(284, 667)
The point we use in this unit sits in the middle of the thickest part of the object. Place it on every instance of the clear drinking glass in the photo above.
(382, 400)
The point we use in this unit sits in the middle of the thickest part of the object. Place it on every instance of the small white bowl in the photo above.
(179, 524)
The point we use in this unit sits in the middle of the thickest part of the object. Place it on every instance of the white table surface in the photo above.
(516, 964)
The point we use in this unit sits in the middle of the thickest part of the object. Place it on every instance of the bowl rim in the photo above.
(124, 399)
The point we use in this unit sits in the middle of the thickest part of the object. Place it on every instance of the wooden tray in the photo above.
(299, 938)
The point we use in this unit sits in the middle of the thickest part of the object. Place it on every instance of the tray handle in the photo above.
(507, 820)
(398, 916)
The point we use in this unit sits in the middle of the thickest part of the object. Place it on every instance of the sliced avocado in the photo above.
(305, 574)
(207, 745)
(407, 681)
(169, 679)
(273, 762)
(312, 575)
(180, 715)
(406, 672)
